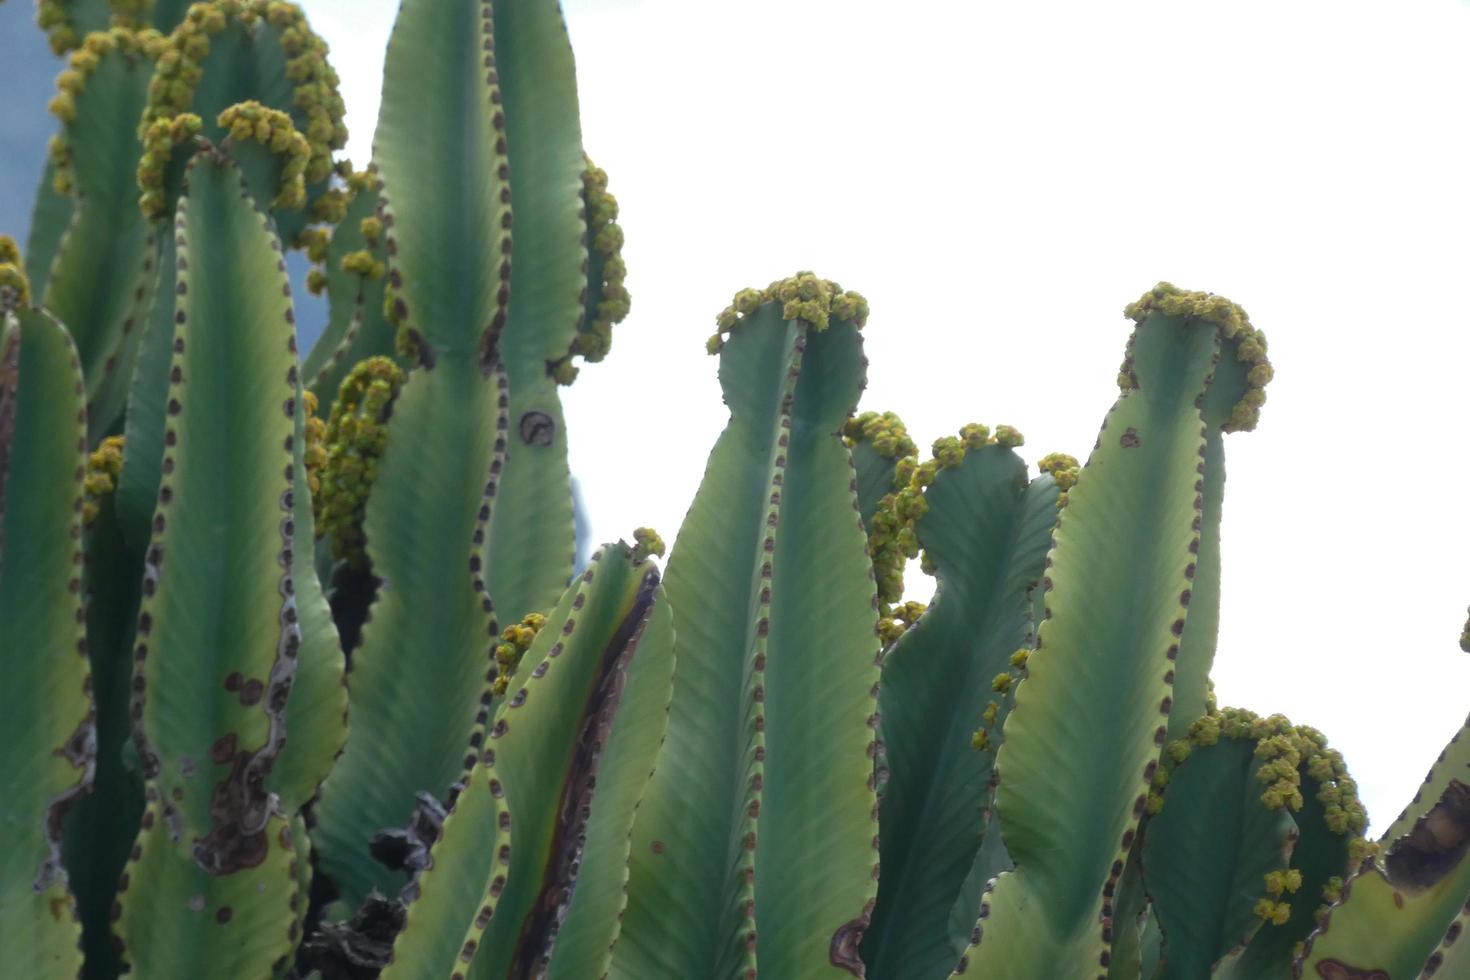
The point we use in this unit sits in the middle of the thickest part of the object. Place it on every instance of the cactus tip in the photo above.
(803, 297)
(1235, 328)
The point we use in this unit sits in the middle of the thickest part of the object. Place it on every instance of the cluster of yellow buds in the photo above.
(802, 297)
(315, 91)
(605, 266)
(1287, 752)
(885, 432)
(61, 34)
(1064, 471)
(890, 536)
(314, 241)
(362, 263)
(15, 289)
(1273, 908)
(899, 620)
(1002, 684)
(646, 542)
(159, 139)
(331, 207)
(273, 129)
(314, 455)
(1235, 327)
(355, 439)
(514, 642)
(104, 465)
(180, 68)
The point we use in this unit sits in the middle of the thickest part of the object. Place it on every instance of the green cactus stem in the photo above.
(776, 741)
(986, 528)
(605, 656)
(214, 665)
(1208, 856)
(531, 542)
(1233, 404)
(102, 279)
(50, 218)
(102, 826)
(423, 657)
(46, 717)
(1091, 716)
(1297, 774)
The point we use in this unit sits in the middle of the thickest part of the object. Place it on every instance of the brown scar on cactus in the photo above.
(1435, 845)
(1338, 970)
(560, 876)
(80, 751)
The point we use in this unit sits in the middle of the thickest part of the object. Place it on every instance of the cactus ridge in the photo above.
(47, 715)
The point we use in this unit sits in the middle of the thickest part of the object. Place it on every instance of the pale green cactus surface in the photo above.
(301, 680)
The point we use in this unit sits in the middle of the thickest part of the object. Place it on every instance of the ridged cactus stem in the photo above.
(1091, 716)
(219, 580)
(986, 529)
(46, 716)
(102, 280)
(446, 438)
(773, 714)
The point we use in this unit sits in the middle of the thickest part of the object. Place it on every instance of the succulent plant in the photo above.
(301, 681)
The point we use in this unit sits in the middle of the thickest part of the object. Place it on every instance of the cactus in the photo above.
(300, 681)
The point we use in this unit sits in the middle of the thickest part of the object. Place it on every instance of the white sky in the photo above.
(999, 179)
